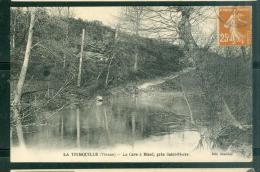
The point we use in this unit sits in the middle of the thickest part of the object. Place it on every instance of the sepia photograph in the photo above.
(131, 84)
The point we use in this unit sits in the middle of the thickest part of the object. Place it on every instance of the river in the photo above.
(124, 119)
(151, 120)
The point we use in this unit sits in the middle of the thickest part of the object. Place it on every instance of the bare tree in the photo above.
(132, 17)
(14, 28)
(67, 36)
(179, 22)
(81, 56)
(18, 92)
(117, 30)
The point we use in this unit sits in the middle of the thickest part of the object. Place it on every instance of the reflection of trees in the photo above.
(62, 129)
(106, 124)
(78, 127)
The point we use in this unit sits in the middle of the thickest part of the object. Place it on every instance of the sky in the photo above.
(108, 15)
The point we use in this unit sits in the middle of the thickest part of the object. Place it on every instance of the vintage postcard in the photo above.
(131, 84)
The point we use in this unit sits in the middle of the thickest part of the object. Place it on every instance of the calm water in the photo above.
(123, 120)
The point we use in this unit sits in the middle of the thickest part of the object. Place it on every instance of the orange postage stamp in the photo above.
(235, 26)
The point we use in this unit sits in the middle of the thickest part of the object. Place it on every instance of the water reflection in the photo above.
(117, 120)
(78, 128)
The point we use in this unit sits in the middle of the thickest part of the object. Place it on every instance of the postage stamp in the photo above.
(235, 26)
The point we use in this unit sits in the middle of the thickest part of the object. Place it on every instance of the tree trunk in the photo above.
(193, 52)
(136, 47)
(136, 61)
(81, 55)
(188, 104)
(18, 92)
(230, 117)
(111, 59)
(48, 90)
(213, 99)
(68, 12)
(106, 125)
(133, 120)
(67, 38)
(62, 130)
(78, 128)
(244, 55)
(108, 70)
(64, 61)
(137, 28)
(14, 30)
(184, 28)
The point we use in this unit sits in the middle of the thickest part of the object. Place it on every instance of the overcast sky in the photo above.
(108, 16)
(105, 14)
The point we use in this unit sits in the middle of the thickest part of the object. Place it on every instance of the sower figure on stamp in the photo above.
(233, 24)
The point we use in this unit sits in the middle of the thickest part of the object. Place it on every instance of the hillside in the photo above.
(55, 57)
